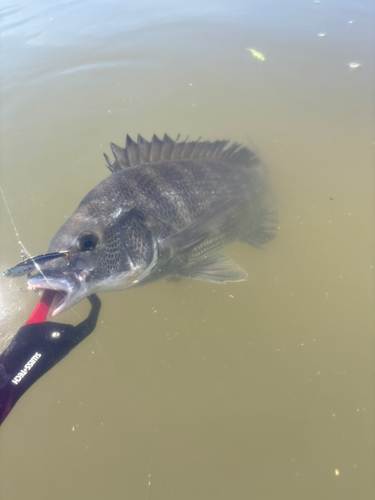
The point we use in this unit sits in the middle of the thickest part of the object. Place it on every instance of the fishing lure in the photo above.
(29, 265)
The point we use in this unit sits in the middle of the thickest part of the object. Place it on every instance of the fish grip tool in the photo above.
(37, 347)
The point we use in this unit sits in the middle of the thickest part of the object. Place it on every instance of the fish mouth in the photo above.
(69, 286)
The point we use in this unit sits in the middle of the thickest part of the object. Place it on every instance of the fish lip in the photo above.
(59, 304)
(66, 284)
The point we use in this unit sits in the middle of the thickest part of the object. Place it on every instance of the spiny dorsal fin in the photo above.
(110, 165)
(143, 151)
(178, 148)
(132, 151)
(168, 145)
(121, 157)
(156, 148)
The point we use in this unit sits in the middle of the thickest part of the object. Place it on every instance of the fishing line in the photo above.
(19, 240)
(14, 226)
(25, 250)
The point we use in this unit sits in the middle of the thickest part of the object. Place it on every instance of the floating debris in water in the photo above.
(351, 22)
(256, 54)
(354, 65)
(321, 34)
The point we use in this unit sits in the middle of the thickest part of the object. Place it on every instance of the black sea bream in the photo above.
(167, 209)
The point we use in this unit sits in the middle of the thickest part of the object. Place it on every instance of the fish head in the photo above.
(112, 250)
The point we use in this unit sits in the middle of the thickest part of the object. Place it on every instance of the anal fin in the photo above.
(215, 268)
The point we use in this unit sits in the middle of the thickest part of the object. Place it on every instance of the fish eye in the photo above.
(87, 242)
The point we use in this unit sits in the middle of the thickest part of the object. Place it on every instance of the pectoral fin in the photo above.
(193, 234)
(216, 268)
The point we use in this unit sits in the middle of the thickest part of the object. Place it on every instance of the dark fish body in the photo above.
(166, 210)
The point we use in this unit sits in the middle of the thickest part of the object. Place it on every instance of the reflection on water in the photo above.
(262, 389)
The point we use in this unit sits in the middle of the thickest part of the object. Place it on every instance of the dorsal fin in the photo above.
(132, 151)
(218, 150)
(178, 149)
(121, 156)
(205, 148)
(188, 150)
(156, 148)
(143, 151)
(168, 145)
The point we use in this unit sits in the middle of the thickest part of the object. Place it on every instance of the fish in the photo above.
(165, 211)
(29, 265)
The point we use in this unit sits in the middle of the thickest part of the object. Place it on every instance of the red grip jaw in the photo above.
(39, 314)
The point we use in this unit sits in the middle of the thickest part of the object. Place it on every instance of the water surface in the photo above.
(262, 389)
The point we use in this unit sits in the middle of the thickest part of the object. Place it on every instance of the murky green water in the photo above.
(257, 390)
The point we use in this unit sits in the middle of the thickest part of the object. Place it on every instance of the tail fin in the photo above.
(263, 226)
